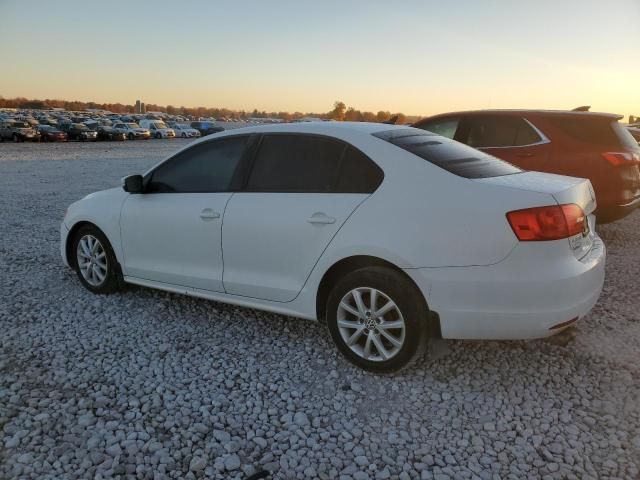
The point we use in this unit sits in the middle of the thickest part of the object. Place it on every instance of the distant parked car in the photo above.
(158, 128)
(206, 128)
(634, 130)
(80, 132)
(18, 131)
(133, 131)
(185, 131)
(51, 134)
(108, 133)
(575, 143)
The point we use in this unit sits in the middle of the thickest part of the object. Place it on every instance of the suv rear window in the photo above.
(447, 154)
(599, 131)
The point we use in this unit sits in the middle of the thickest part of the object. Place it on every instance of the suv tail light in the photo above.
(552, 222)
(618, 159)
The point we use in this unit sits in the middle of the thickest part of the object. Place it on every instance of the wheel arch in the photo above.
(355, 262)
(71, 259)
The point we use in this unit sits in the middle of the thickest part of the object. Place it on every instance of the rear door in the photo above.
(299, 192)
(509, 137)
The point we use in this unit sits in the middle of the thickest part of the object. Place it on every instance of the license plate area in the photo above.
(582, 243)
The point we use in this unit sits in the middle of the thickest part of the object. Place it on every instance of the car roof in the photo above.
(327, 128)
(572, 113)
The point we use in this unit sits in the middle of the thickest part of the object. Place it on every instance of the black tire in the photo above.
(184, 135)
(410, 303)
(158, 136)
(16, 139)
(131, 136)
(113, 278)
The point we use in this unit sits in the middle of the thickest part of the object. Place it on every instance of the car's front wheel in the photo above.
(378, 319)
(94, 261)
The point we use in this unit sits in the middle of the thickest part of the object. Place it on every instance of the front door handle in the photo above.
(209, 214)
(321, 219)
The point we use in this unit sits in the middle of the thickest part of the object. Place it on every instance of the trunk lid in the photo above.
(563, 189)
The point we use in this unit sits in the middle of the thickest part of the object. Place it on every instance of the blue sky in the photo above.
(418, 57)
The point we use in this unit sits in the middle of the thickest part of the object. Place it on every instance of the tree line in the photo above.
(340, 111)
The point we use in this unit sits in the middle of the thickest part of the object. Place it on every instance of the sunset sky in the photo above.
(417, 57)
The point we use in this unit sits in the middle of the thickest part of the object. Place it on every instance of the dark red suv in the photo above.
(580, 144)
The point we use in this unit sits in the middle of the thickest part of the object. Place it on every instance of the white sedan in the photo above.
(387, 234)
(185, 131)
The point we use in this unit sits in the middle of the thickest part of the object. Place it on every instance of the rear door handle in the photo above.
(209, 214)
(320, 218)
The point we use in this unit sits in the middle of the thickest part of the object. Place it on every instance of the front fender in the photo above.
(101, 209)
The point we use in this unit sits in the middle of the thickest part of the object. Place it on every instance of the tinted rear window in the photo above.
(452, 156)
(358, 174)
(295, 163)
(596, 131)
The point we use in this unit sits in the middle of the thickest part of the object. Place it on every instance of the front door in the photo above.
(172, 233)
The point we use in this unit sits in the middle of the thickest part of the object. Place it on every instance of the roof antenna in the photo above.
(584, 108)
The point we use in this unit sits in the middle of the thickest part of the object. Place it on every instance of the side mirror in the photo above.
(133, 184)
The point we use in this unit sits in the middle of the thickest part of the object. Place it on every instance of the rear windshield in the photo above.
(452, 156)
(596, 131)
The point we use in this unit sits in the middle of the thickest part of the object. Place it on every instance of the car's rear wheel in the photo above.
(158, 135)
(131, 136)
(94, 261)
(378, 319)
(16, 139)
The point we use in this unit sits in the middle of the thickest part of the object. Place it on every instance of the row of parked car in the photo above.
(64, 126)
(21, 131)
(576, 143)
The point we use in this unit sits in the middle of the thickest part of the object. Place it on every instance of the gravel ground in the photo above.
(146, 384)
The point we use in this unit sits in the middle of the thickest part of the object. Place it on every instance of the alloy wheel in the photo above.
(92, 260)
(371, 324)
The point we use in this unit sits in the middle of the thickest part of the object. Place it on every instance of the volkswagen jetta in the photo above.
(388, 234)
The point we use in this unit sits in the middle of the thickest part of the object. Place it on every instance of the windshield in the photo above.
(80, 126)
(447, 154)
(160, 125)
(182, 126)
(133, 125)
(20, 125)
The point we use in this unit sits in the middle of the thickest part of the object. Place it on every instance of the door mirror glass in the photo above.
(133, 184)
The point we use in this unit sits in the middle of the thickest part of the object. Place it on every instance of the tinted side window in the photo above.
(295, 163)
(499, 131)
(358, 174)
(206, 167)
(441, 126)
(447, 154)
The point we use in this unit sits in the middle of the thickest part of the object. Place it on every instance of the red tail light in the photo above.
(547, 223)
(618, 159)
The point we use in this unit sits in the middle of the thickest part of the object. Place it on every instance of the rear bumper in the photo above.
(612, 213)
(522, 297)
